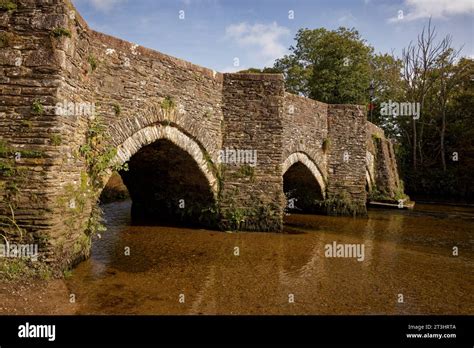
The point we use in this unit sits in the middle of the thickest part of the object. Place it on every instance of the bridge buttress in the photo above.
(252, 193)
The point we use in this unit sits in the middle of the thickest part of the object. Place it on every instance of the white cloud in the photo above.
(417, 9)
(263, 41)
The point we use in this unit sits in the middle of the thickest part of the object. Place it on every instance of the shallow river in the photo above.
(408, 266)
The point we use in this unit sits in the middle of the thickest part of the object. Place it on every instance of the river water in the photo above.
(408, 266)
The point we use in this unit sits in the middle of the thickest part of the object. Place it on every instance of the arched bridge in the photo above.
(212, 148)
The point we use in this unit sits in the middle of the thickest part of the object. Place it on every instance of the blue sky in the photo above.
(215, 32)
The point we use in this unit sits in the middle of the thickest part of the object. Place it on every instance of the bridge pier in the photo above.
(251, 196)
(347, 131)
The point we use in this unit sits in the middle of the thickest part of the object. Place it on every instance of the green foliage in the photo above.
(96, 223)
(117, 109)
(14, 269)
(168, 104)
(6, 169)
(5, 150)
(98, 154)
(67, 273)
(453, 179)
(246, 171)
(7, 5)
(342, 204)
(387, 86)
(30, 154)
(56, 139)
(8, 166)
(92, 62)
(329, 66)
(209, 216)
(10, 227)
(207, 157)
(27, 124)
(375, 138)
(60, 32)
(326, 144)
(235, 217)
(6, 39)
(37, 108)
(377, 196)
(261, 216)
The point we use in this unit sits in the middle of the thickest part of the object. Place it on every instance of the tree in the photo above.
(448, 77)
(419, 61)
(329, 66)
(386, 78)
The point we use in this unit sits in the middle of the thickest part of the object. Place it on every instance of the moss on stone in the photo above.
(342, 204)
(60, 32)
(6, 39)
(27, 123)
(168, 104)
(7, 5)
(246, 171)
(37, 107)
(117, 109)
(326, 144)
(93, 63)
(56, 140)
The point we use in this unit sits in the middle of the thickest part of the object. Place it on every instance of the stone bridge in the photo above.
(200, 146)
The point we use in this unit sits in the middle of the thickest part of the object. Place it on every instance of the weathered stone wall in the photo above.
(252, 196)
(30, 80)
(382, 164)
(305, 127)
(347, 157)
(305, 133)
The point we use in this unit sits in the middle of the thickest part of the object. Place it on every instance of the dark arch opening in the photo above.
(303, 193)
(167, 187)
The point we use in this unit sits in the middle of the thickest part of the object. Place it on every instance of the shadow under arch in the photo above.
(169, 178)
(303, 184)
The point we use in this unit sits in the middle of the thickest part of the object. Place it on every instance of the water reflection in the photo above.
(407, 253)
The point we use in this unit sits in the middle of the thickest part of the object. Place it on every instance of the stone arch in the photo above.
(308, 163)
(153, 133)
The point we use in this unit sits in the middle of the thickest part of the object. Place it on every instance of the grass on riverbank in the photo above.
(20, 269)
